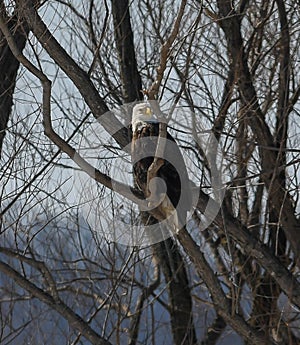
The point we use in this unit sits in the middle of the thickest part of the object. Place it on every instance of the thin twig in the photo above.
(164, 54)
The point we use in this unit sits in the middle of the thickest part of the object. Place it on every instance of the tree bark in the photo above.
(9, 66)
(131, 79)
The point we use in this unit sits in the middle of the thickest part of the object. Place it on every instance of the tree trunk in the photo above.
(167, 252)
(9, 66)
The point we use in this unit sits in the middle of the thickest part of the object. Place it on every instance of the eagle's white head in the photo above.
(141, 113)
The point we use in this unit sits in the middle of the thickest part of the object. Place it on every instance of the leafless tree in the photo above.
(71, 68)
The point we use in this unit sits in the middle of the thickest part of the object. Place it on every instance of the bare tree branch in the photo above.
(131, 79)
(164, 53)
(280, 199)
(58, 305)
(254, 248)
(54, 137)
(79, 77)
(218, 296)
(8, 69)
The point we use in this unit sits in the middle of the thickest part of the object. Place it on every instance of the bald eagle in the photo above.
(174, 194)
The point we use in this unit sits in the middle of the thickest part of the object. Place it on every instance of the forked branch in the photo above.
(164, 54)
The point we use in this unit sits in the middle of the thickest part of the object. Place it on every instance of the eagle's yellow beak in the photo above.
(148, 111)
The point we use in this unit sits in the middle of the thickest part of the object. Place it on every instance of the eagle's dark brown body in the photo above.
(144, 144)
